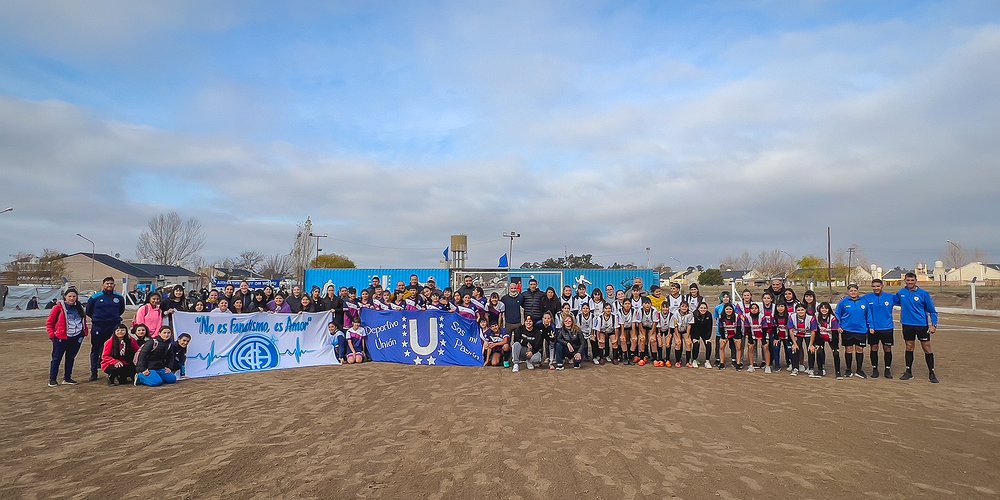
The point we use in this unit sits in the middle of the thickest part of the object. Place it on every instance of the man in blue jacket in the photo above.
(105, 311)
(880, 306)
(915, 306)
(853, 315)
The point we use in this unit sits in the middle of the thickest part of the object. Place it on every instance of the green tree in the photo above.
(812, 268)
(332, 261)
(710, 277)
(585, 261)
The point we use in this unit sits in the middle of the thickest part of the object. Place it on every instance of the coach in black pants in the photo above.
(105, 311)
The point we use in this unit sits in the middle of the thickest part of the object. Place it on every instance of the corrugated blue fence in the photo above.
(362, 278)
(555, 278)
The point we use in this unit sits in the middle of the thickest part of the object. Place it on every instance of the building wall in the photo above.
(79, 274)
(968, 271)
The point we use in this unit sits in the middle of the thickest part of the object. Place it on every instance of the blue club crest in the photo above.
(253, 353)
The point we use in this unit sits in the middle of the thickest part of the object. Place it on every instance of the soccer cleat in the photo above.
(636, 359)
(641, 362)
(795, 372)
(933, 378)
(907, 375)
(691, 365)
(53, 383)
(767, 369)
(517, 368)
(860, 374)
(668, 364)
(678, 364)
(874, 372)
(888, 374)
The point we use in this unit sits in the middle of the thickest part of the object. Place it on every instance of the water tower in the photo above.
(939, 272)
(459, 250)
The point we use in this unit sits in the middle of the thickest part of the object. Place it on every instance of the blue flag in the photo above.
(503, 261)
(445, 252)
(422, 338)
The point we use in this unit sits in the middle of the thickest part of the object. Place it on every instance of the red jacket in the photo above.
(56, 324)
(109, 358)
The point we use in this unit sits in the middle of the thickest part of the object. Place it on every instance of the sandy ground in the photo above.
(382, 430)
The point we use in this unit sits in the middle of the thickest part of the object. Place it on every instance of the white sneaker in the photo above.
(695, 364)
(795, 372)
(809, 371)
(597, 361)
(767, 369)
(789, 367)
(517, 368)
(750, 369)
(708, 365)
(531, 365)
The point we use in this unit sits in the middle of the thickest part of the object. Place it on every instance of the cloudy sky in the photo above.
(696, 129)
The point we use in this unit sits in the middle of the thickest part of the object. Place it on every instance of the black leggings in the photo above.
(122, 374)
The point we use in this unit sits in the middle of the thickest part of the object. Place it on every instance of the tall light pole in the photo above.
(959, 254)
(8, 209)
(93, 253)
(647, 257)
(510, 251)
(793, 261)
(317, 236)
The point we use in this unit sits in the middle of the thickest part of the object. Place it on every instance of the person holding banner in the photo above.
(155, 357)
(355, 343)
(496, 344)
(278, 305)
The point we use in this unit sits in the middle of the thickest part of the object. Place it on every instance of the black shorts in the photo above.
(911, 333)
(883, 337)
(706, 336)
(855, 339)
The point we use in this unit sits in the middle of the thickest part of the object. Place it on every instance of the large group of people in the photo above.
(771, 331)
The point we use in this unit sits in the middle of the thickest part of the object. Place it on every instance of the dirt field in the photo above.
(611, 432)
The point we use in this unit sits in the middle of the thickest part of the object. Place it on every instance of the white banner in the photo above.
(223, 343)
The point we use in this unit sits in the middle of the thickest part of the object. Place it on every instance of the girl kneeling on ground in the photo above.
(155, 357)
(118, 356)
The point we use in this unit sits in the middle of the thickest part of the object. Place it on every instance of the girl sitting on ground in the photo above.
(155, 356)
(118, 356)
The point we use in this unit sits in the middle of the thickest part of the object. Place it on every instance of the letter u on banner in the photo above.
(424, 350)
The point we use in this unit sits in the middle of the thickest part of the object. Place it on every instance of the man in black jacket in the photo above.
(467, 286)
(531, 301)
(527, 345)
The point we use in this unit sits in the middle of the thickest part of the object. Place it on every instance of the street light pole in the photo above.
(93, 253)
(647, 257)
(957, 264)
(510, 251)
(317, 236)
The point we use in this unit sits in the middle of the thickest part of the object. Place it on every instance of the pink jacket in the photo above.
(150, 316)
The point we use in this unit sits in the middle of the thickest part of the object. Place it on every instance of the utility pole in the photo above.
(647, 257)
(850, 260)
(317, 236)
(510, 251)
(829, 263)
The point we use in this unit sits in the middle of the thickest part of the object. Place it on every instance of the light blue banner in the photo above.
(223, 343)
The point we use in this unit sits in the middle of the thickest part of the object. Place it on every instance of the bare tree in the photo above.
(249, 260)
(742, 263)
(276, 266)
(169, 240)
(773, 263)
(954, 256)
